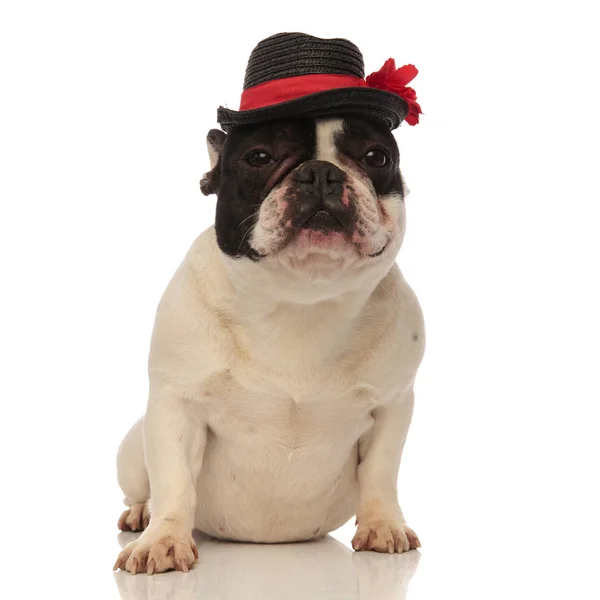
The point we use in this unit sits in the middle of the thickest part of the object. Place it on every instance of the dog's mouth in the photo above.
(254, 255)
(317, 238)
(326, 229)
(334, 233)
(379, 252)
(323, 221)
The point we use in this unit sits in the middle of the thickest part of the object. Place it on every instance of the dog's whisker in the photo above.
(250, 229)
(246, 219)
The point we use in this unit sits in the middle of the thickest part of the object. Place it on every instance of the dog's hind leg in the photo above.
(133, 479)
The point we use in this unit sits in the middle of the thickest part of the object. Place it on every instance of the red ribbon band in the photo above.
(290, 88)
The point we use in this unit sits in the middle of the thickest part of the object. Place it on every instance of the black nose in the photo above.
(320, 189)
(319, 173)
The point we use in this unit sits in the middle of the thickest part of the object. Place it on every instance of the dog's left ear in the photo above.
(209, 184)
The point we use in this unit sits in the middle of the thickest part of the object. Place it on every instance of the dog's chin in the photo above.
(310, 266)
(315, 242)
(315, 245)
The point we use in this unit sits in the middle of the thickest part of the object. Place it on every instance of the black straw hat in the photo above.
(297, 75)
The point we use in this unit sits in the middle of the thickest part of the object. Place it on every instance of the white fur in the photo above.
(327, 129)
(280, 398)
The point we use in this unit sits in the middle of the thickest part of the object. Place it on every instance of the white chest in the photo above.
(252, 408)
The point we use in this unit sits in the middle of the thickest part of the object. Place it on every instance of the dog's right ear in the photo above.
(209, 184)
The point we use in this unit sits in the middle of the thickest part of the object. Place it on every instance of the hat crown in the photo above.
(295, 54)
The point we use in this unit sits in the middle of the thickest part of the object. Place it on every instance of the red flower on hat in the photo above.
(390, 79)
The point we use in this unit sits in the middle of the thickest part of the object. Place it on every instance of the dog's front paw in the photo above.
(164, 546)
(384, 536)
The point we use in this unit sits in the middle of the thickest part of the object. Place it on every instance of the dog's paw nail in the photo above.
(151, 567)
(134, 566)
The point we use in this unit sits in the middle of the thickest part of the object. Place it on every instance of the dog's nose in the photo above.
(320, 175)
(320, 187)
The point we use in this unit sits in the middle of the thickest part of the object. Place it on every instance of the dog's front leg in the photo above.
(174, 451)
(381, 525)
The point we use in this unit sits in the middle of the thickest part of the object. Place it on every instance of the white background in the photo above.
(104, 111)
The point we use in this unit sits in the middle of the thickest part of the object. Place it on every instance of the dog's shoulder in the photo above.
(198, 286)
(189, 342)
(392, 333)
(405, 307)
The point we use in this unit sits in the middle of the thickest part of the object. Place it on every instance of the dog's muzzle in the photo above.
(319, 199)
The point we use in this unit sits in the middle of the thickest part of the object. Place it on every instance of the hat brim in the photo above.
(369, 103)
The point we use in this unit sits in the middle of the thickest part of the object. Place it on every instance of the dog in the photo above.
(284, 353)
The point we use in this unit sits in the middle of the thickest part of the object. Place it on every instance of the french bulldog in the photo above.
(283, 355)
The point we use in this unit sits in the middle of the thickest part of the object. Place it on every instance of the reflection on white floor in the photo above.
(325, 569)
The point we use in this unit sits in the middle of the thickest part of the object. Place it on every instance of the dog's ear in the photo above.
(209, 184)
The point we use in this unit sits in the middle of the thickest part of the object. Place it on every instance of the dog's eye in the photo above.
(376, 158)
(258, 158)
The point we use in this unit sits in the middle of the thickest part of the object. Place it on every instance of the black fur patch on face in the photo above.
(209, 184)
(255, 159)
(357, 139)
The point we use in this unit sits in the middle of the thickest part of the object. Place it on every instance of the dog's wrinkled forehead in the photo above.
(256, 159)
